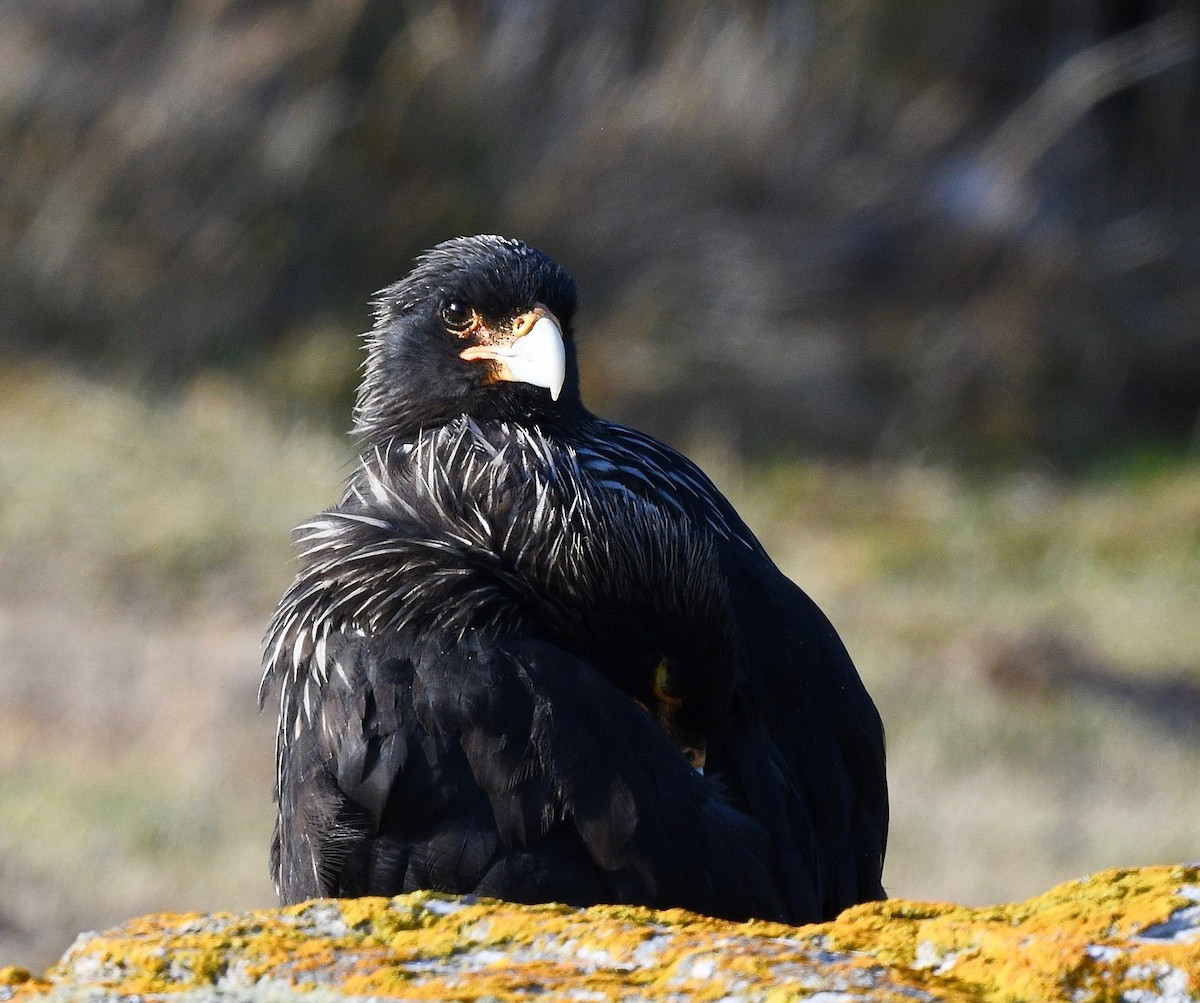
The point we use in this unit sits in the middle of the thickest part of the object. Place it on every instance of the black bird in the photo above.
(492, 676)
(521, 621)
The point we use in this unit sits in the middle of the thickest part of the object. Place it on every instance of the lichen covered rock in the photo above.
(1129, 935)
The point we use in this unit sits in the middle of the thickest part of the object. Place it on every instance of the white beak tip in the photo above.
(539, 357)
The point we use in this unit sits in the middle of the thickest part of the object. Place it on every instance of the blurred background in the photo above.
(917, 283)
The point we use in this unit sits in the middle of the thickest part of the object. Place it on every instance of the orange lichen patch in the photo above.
(11, 975)
(1089, 940)
(1135, 929)
(19, 984)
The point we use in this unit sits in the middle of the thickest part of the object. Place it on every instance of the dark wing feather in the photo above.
(507, 768)
(803, 749)
(796, 678)
(604, 775)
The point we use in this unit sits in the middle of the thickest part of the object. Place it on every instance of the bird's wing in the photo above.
(800, 704)
(623, 459)
(804, 748)
(507, 768)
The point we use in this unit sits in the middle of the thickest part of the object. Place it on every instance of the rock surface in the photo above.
(1129, 935)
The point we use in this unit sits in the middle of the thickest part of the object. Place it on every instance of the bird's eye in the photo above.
(457, 315)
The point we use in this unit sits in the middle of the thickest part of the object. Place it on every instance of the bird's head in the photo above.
(481, 326)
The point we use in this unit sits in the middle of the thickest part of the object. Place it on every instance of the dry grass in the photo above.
(144, 544)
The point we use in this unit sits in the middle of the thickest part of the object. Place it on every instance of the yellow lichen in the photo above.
(1091, 940)
(11, 975)
(18, 984)
(1039, 948)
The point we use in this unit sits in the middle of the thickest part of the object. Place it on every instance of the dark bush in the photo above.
(872, 228)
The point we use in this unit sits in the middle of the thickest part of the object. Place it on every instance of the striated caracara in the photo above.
(536, 655)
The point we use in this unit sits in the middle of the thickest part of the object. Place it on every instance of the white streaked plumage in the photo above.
(623, 459)
(512, 514)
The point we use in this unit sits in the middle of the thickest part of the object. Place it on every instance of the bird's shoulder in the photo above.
(471, 526)
(624, 459)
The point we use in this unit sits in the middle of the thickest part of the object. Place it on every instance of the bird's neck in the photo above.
(566, 420)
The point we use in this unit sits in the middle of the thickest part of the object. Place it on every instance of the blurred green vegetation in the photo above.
(139, 493)
(949, 229)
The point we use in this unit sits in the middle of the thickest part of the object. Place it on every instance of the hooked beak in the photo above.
(532, 352)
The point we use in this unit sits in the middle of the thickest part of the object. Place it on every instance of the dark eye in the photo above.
(457, 315)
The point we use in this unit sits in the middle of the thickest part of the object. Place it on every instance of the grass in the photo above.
(191, 494)
(932, 557)
(145, 542)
